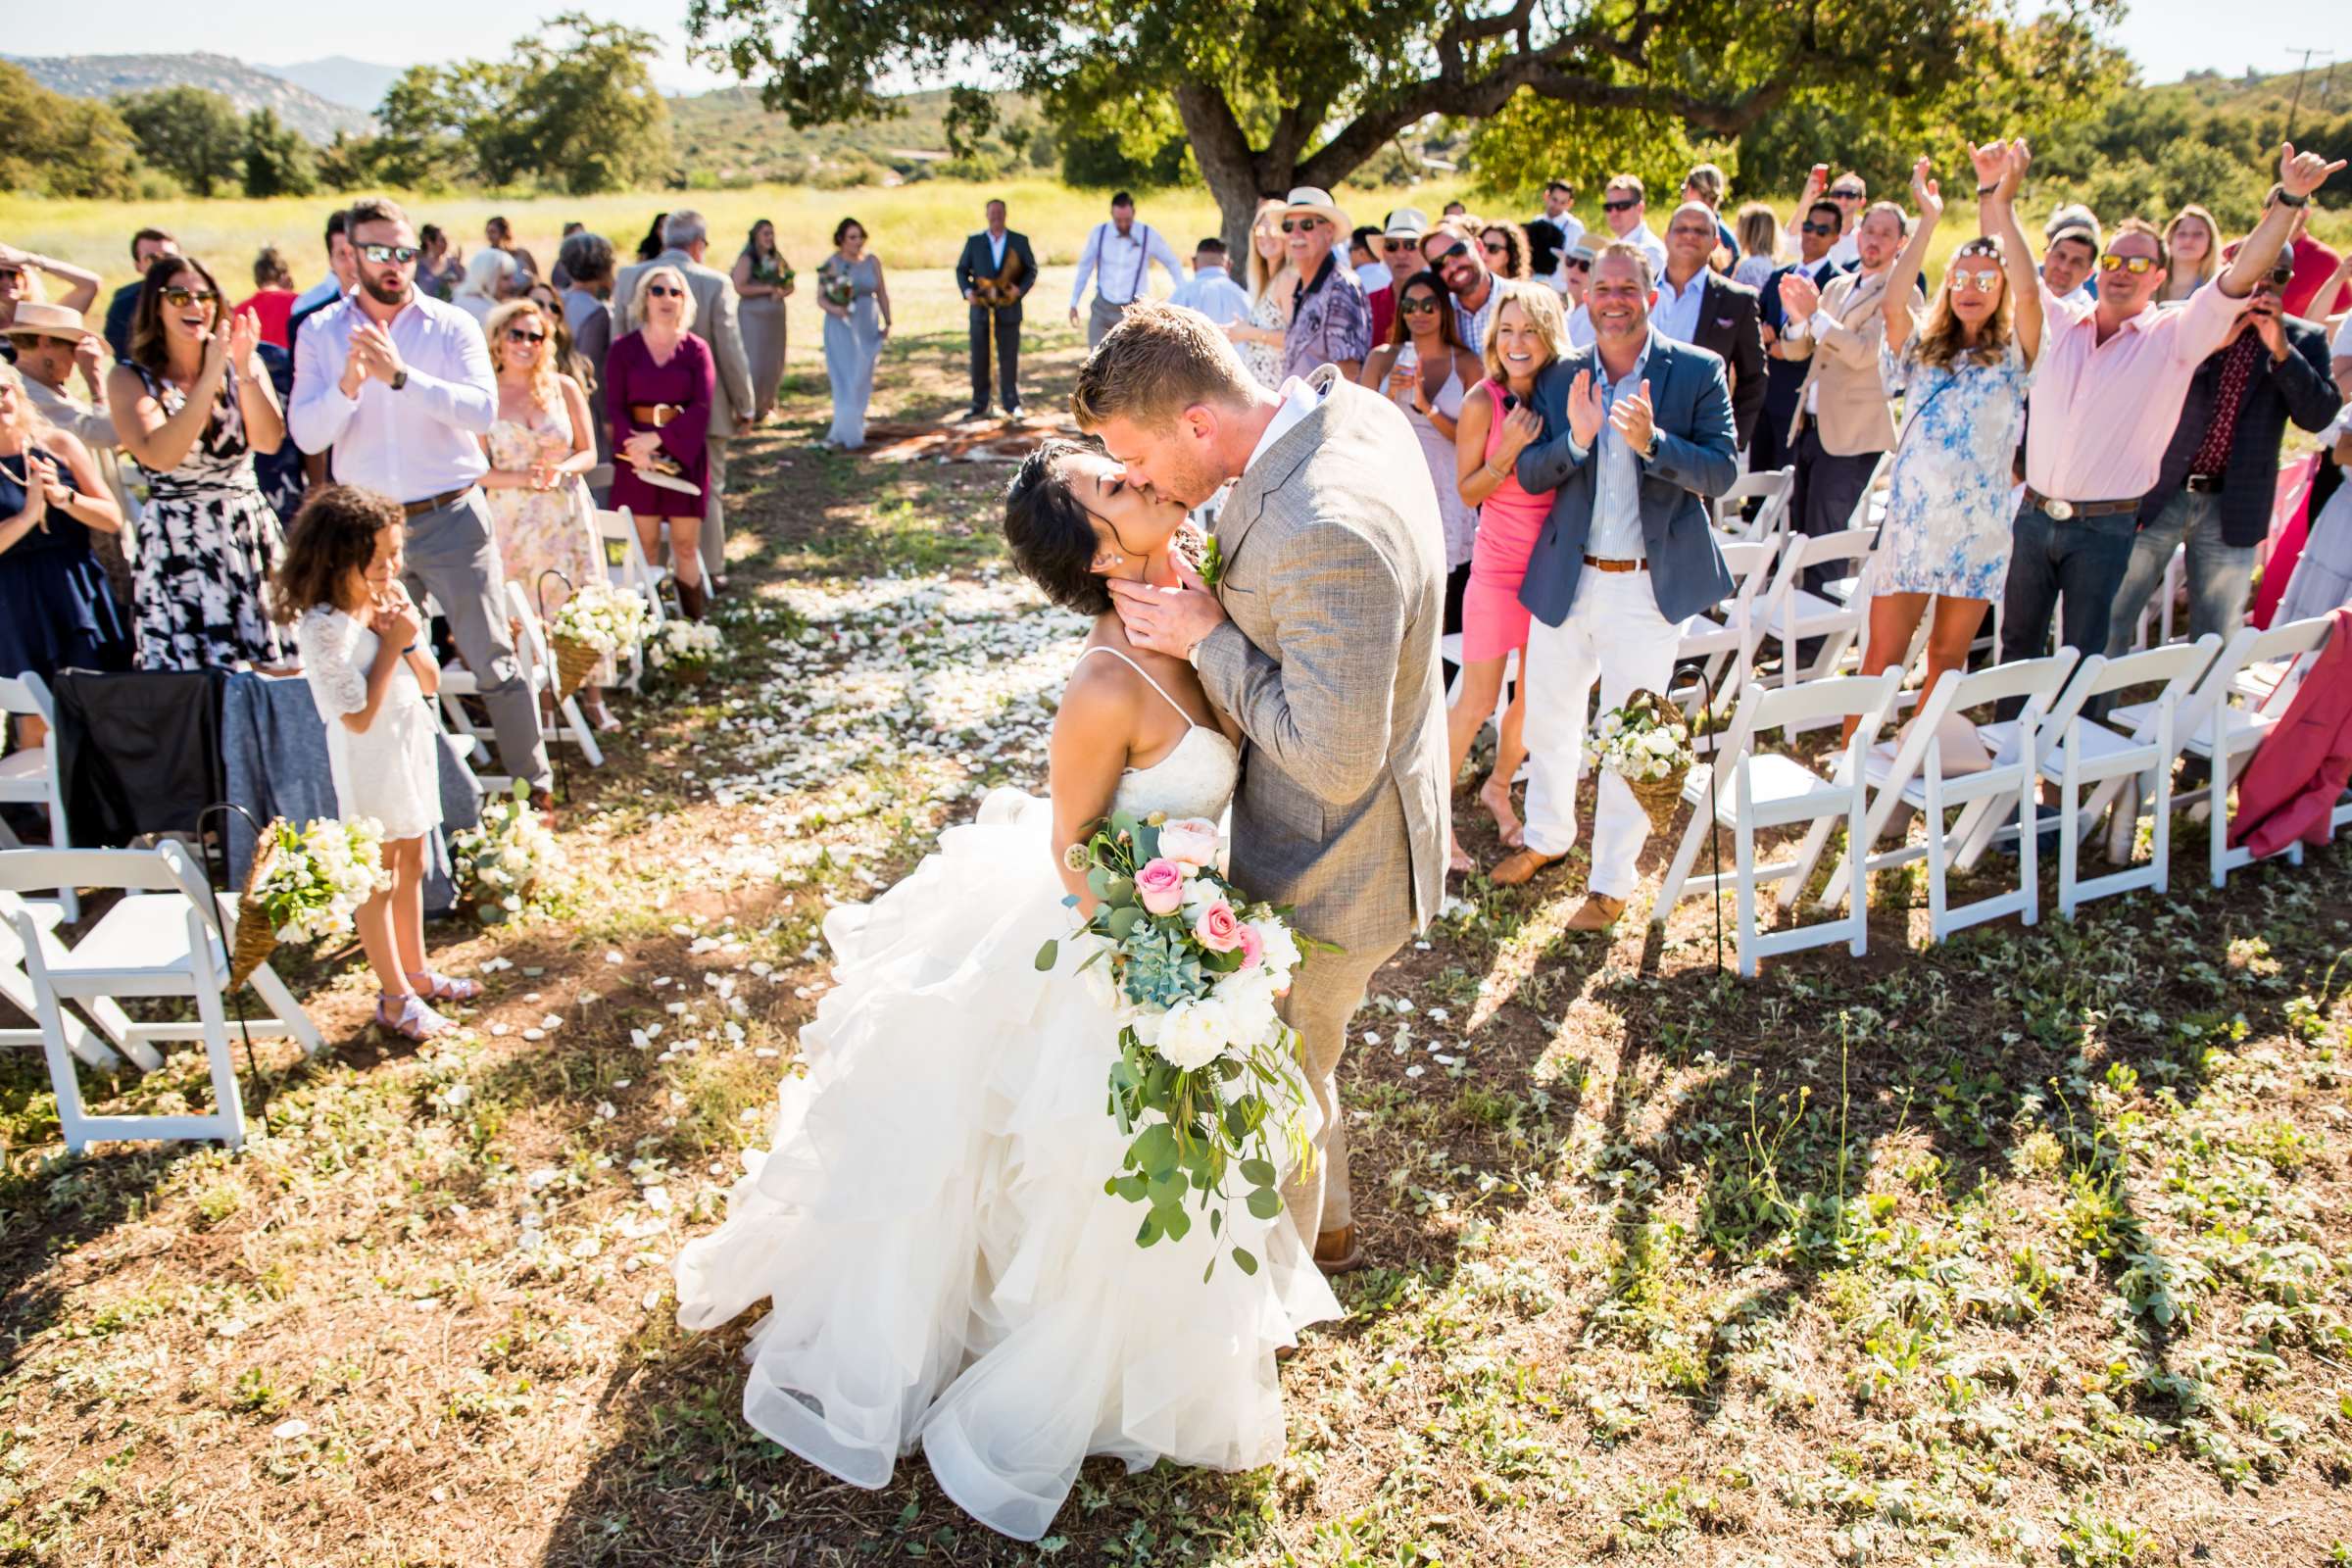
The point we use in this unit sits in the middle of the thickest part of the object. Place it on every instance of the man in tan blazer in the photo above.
(685, 239)
(1842, 423)
(1320, 639)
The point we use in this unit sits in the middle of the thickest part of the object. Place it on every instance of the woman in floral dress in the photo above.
(192, 404)
(1272, 283)
(1963, 375)
(540, 446)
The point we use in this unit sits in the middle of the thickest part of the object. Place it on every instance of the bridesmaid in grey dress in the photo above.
(856, 305)
(764, 280)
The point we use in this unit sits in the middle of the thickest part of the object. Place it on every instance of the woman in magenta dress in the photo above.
(1497, 422)
(657, 382)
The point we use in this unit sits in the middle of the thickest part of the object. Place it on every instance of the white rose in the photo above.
(1190, 841)
(1193, 1033)
(1280, 953)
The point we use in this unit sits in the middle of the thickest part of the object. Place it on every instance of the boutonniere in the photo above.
(1212, 562)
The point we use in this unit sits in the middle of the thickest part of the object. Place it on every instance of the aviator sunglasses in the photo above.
(381, 253)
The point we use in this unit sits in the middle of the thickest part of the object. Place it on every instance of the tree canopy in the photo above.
(53, 145)
(193, 134)
(1268, 95)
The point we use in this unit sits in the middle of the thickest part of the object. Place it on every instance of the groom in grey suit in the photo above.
(1320, 638)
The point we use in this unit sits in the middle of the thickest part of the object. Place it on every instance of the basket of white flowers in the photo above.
(305, 885)
(1647, 744)
(500, 864)
(686, 648)
(599, 622)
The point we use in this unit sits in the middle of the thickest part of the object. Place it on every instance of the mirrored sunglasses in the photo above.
(1981, 282)
(2137, 266)
(1419, 305)
(381, 253)
(180, 299)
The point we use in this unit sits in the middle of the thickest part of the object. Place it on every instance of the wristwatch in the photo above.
(1649, 452)
(399, 378)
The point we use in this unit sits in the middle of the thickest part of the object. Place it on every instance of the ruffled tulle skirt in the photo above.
(930, 1229)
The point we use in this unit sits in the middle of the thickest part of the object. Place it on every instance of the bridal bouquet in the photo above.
(1647, 744)
(501, 864)
(1206, 1075)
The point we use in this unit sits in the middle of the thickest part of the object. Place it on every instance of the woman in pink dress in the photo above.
(658, 385)
(1497, 424)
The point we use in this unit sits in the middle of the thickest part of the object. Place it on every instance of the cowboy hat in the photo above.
(1312, 199)
(1406, 222)
(38, 319)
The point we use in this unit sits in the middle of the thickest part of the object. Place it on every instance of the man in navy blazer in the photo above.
(994, 273)
(1637, 437)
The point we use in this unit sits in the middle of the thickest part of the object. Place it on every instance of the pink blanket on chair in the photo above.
(2301, 767)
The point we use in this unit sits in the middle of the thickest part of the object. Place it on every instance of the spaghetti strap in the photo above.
(1105, 648)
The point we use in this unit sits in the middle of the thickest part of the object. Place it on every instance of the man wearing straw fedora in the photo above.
(1330, 322)
(1637, 434)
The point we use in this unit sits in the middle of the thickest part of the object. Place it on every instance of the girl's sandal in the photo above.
(414, 1021)
(443, 988)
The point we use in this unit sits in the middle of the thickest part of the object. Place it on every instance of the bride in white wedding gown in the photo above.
(929, 1221)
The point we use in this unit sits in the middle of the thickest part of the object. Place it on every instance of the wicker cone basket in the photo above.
(575, 661)
(256, 937)
(1660, 798)
(693, 674)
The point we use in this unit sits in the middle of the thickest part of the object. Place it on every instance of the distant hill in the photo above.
(340, 79)
(727, 138)
(247, 86)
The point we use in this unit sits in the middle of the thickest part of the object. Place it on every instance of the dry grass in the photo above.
(2026, 1249)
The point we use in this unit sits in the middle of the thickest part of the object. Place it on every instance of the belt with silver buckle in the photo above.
(2065, 510)
(2202, 485)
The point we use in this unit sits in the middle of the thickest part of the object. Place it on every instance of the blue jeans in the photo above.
(2218, 574)
(2082, 557)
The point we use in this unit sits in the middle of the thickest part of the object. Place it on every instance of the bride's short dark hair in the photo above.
(1050, 532)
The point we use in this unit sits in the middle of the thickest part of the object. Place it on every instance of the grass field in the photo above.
(2032, 1248)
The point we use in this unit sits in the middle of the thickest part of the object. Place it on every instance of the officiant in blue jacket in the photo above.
(995, 273)
(1637, 437)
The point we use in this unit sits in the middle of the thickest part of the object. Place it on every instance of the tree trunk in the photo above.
(1237, 176)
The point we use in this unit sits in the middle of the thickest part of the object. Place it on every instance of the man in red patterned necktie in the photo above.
(2214, 490)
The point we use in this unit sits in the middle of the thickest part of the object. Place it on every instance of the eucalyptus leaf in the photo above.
(1048, 955)
(1243, 1261)
(1124, 920)
(1266, 1203)
(1258, 1172)
(1177, 1223)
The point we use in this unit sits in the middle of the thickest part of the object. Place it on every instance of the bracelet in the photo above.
(2286, 200)
(405, 652)
(1987, 190)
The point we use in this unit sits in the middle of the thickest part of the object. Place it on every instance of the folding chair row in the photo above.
(538, 672)
(627, 566)
(30, 776)
(1773, 488)
(170, 937)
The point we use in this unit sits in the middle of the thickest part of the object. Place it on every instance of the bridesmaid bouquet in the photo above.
(500, 864)
(1647, 744)
(835, 283)
(1206, 1075)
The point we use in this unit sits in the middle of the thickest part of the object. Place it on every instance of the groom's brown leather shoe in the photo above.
(1597, 913)
(1521, 868)
(1336, 1251)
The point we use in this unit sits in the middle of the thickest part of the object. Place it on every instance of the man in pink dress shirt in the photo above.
(2107, 393)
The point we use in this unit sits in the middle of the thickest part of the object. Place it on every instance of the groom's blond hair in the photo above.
(1159, 361)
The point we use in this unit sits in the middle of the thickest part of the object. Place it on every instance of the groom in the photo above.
(1321, 640)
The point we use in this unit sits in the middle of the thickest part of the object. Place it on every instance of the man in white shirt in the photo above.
(1367, 254)
(1118, 256)
(1212, 292)
(400, 386)
(1623, 209)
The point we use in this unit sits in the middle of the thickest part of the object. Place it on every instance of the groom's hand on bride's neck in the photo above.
(1169, 621)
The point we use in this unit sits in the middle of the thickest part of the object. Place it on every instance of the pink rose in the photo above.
(1160, 886)
(1190, 841)
(1220, 929)
(1254, 948)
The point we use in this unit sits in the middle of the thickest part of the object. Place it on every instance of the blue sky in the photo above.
(2168, 37)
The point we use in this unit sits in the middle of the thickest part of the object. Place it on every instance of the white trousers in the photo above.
(1613, 635)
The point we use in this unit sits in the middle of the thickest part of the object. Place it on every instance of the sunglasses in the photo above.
(180, 299)
(402, 255)
(1578, 266)
(1981, 282)
(2137, 266)
(1622, 205)
(663, 291)
(516, 334)
(1300, 226)
(1845, 195)
(1821, 229)
(1419, 305)
(1495, 247)
(1440, 258)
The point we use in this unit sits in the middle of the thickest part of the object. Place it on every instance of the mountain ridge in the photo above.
(248, 87)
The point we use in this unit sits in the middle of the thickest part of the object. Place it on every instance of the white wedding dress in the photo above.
(929, 1220)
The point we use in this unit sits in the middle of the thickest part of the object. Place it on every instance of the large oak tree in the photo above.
(1276, 93)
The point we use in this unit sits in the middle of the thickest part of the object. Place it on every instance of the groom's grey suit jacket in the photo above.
(1334, 577)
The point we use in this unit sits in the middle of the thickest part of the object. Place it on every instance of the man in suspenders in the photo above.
(1117, 256)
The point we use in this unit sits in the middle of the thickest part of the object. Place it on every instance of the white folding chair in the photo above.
(28, 776)
(627, 567)
(41, 917)
(1773, 486)
(539, 669)
(1723, 639)
(1767, 790)
(1908, 774)
(1790, 614)
(159, 941)
(2076, 752)
(2228, 734)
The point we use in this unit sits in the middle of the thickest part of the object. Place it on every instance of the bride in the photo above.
(929, 1221)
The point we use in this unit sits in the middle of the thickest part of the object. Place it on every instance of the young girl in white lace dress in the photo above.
(372, 673)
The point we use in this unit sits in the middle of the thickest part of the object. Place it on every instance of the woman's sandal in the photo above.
(443, 988)
(416, 1021)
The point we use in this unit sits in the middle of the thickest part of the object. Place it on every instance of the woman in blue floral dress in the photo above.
(1963, 375)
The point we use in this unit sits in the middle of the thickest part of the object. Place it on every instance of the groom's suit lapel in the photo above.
(1269, 474)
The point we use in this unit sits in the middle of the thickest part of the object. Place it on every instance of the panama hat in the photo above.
(1313, 199)
(38, 319)
(1406, 222)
